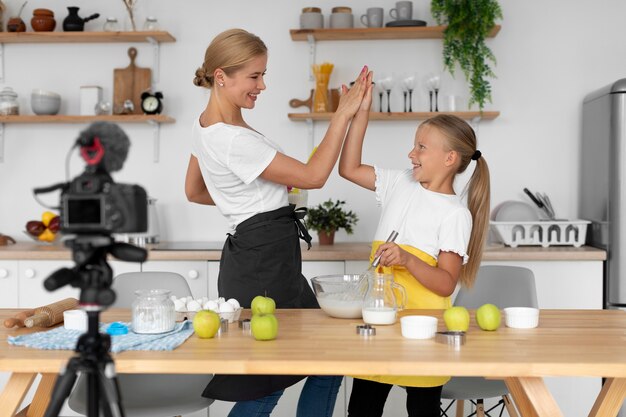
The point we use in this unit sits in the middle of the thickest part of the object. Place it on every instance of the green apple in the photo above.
(488, 317)
(263, 305)
(206, 323)
(457, 319)
(264, 326)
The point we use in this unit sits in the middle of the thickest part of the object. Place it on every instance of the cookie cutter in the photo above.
(365, 330)
(223, 327)
(244, 324)
(454, 339)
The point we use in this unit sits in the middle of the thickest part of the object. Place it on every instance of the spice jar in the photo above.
(311, 18)
(151, 23)
(8, 102)
(153, 312)
(43, 20)
(111, 25)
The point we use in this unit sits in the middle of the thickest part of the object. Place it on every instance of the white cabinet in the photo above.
(195, 272)
(32, 274)
(312, 269)
(9, 284)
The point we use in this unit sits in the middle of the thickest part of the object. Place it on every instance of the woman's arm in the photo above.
(313, 174)
(350, 166)
(195, 188)
(440, 279)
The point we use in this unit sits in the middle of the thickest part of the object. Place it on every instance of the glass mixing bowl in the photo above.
(340, 296)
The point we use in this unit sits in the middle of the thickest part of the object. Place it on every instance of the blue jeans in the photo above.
(317, 399)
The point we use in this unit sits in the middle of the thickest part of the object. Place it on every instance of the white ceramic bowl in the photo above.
(418, 327)
(46, 103)
(515, 211)
(75, 320)
(521, 317)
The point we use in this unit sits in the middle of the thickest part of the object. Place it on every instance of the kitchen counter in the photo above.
(344, 251)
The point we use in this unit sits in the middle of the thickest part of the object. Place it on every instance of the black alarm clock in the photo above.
(151, 103)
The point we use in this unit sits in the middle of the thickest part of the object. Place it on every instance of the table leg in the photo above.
(14, 392)
(42, 396)
(610, 399)
(521, 400)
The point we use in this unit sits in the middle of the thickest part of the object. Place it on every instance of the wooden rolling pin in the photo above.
(19, 318)
(51, 314)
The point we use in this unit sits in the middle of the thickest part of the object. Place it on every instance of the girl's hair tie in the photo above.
(477, 154)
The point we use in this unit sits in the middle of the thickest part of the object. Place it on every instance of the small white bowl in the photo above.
(75, 320)
(521, 317)
(418, 327)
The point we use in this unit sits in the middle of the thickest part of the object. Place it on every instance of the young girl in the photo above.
(246, 175)
(440, 240)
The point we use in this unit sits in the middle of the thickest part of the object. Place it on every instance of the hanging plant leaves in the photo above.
(468, 24)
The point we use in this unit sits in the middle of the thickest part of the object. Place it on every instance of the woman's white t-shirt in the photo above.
(426, 220)
(231, 158)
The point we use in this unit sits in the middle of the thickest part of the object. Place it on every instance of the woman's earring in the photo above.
(221, 84)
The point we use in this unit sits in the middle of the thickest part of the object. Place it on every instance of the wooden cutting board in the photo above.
(129, 83)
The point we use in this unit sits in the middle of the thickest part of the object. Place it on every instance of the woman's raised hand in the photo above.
(351, 100)
(366, 103)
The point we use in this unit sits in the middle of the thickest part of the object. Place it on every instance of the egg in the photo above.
(211, 305)
(193, 305)
(226, 308)
(179, 305)
(173, 298)
(233, 302)
(221, 300)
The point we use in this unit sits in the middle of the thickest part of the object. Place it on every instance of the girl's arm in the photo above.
(350, 166)
(195, 188)
(313, 174)
(441, 279)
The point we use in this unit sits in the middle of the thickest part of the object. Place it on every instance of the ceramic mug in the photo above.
(402, 11)
(373, 18)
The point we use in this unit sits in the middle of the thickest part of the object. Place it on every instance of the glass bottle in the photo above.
(379, 304)
(151, 24)
(111, 25)
(153, 312)
(8, 102)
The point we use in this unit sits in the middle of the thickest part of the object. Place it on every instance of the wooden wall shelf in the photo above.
(85, 37)
(375, 115)
(126, 118)
(413, 32)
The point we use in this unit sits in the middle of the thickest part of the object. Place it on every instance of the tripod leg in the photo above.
(111, 401)
(62, 388)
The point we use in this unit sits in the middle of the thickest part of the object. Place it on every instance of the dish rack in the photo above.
(545, 233)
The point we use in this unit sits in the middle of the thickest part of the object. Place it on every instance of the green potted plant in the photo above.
(468, 24)
(327, 218)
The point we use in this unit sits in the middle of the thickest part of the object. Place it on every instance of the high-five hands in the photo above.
(352, 100)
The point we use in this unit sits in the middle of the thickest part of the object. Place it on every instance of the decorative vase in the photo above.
(326, 238)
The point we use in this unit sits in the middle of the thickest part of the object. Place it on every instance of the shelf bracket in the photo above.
(1, 62)
(312, 47)
(156, 139)
(1, 143)
(156, 55)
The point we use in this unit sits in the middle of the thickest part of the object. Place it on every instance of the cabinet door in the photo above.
(8, 284)
(312, 269)
(195, 272)
(31, 277)
(121, 267)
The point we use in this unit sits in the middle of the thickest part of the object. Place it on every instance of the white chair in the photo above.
(150, 395)
(504, 286)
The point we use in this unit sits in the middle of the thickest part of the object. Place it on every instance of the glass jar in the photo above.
(153, 312)
(111, 25)
(8, 102)
(380, 305)
(151, 23)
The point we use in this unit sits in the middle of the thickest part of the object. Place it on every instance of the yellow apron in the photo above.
(418, 297)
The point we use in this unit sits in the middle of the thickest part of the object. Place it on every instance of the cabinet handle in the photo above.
(29, 273)
(4, 273)
(193, 274)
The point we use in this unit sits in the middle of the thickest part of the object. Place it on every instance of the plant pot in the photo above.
(326, 238)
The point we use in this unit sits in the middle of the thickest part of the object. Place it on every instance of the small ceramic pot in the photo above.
(43, 20)
(16, 24)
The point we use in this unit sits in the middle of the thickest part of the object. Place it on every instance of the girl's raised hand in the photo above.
(366, 103)
(351, 100)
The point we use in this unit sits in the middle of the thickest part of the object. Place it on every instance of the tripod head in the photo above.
(92, 273)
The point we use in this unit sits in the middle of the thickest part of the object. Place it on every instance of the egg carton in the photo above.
(542, 233)
(231, 316)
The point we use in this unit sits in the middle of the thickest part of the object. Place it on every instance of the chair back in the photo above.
(126, 284)
(505, 286)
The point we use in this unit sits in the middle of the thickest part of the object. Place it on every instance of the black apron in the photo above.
(263, 257)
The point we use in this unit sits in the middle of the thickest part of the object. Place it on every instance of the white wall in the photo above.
(550, 55)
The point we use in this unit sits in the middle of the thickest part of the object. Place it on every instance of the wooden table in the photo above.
(566, 343)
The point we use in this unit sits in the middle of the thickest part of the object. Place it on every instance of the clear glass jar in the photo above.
(153, 312)
(151, 23)
(111, 25)
(8, 102)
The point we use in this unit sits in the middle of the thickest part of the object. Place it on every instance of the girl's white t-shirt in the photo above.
(426, 220)
(231, 158)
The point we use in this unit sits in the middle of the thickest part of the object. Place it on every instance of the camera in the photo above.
(93, 203)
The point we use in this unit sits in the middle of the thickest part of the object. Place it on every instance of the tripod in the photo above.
(93, 275)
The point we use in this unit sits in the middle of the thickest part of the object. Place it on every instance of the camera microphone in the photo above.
(104, 144)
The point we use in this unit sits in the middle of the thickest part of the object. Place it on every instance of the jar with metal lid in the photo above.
(151, 23)
(153, 312)
(341, 18)
(111, 25)
(311, 18)
(8, 102)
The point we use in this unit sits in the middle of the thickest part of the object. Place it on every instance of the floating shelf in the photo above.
(375, 115)
(85, 37)
(124, 118)
(412, 32)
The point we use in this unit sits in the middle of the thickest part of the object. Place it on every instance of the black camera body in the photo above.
(94, 204)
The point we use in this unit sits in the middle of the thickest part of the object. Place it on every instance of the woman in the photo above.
(246, 175)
